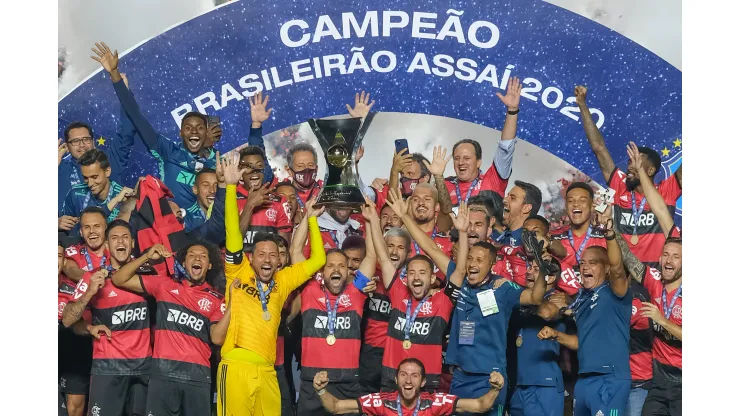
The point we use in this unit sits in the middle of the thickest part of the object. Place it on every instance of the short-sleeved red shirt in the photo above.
(667, 349)
(77, 252)
(489, 181)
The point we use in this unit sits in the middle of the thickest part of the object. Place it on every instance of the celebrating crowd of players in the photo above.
(197, 288)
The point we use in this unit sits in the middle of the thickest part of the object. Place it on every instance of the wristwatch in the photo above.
(321, 392)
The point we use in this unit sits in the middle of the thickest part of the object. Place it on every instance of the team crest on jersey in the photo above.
(205, 305)
(426, 308)
(344, 300)
(677, 312)
(271, 214)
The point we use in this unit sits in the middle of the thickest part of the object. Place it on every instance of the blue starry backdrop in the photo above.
(214, 62)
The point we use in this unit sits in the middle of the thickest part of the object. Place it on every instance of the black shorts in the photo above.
(116, 395)
(371, 363)
(74, 383)
(62, 403)
(167, 397)
(286, 401)
(663, 398)
(309, 403)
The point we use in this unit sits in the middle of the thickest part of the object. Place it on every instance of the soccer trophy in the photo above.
(340, 139)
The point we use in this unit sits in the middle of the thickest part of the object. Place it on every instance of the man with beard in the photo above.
(602, 313)
(666, 312)
(190, 316)
(418, 319)
(335, 226)
(205, 190)
(408, 398)
(92, 254)
(637, 223)
(467, 156)
(389, 219)
(395, 243)
(247, 379)
(260, 209)
(332, 314)
(121, 361)
(522, 201)
(78, 139)
(97, 190)
(177, 162)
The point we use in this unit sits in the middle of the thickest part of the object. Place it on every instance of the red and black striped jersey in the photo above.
(427, 335)
(667, 349)
(126, 314)
(183, 334)
(386, 404)
(341, 360)
(77, 253)
(377, 314)
(650, 237)
(66, 291)
(443, 242)
(273, 217)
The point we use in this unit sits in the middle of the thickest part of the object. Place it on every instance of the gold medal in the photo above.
(519, 341)
(406, 344)
(266, 315)
(634, 240)
(331, 339)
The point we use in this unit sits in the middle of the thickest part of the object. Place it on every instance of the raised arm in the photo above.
(618, 280)
(400, 207)
(300, 234)
(536, 294)
(331, 403)
(318, 255)
(400, 162)
(461, 222)
(635, 267)
(388, 270)
(568, 341)
(119, 151)
(367, 267)
(504, 156)
(234, 237)
(437, 170)
(109, 60)
(84, 292)
(485, 402)
(127, 278)
(654, 199)
(259, 113)
(595, 139)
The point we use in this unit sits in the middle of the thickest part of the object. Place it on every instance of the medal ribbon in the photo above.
(416, 246)
(667, 311)
(402, 274)
(89, 195)
(470, 190)
(400, 409)
(579, 252)
(331, 314)
(333, 235)
(88, 259)
(310, 194)
(264, 293)
(411, 319)
(635, 213)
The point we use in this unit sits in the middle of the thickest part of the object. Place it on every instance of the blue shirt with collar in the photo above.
(537, 359)
(79, 197)
(194, 217)
(488, 351)
(603, 322)
(69, 173)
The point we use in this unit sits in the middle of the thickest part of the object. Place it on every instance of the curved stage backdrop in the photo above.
(438, 58)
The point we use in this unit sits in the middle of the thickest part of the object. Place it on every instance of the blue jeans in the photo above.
(635, 401)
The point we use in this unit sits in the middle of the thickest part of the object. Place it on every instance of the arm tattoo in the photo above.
(445, 203)
(73, 311)
(635, 266)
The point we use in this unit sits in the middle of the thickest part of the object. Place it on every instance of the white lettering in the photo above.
(473, 34)
(418, 25)
(206, 100)
(276, 78)
(250, 88)
(349, 22)
(374, 61)
(489, 74)
(358, 61)
(444, 62)
(388, 24)
(332, 62)
(464, 69)
(452, 28)
(178, 113)
(299, 69)
(228, 93)
(287, 41)
(325, 27)
(419, 62)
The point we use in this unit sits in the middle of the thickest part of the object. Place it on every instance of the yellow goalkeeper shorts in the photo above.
(246, 389)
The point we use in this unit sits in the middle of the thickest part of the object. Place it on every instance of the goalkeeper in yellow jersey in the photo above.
(246, 381)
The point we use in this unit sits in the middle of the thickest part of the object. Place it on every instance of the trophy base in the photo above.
(341, 197)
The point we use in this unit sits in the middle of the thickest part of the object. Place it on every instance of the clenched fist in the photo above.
(496, 380)
(320, 380)
(547, 333)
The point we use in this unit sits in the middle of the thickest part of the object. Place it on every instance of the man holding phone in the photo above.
(467, 156)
